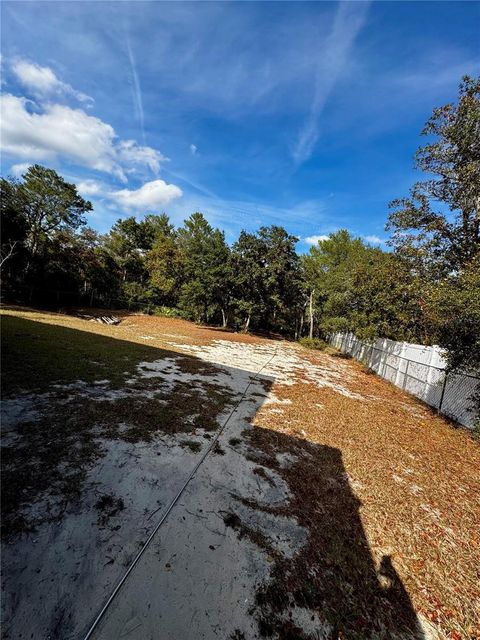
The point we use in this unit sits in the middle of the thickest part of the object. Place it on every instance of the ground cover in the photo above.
(333, 505)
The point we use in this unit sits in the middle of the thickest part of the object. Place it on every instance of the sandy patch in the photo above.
(288, 367)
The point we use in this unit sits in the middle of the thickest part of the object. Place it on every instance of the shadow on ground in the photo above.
(331, 580)
(334, 574)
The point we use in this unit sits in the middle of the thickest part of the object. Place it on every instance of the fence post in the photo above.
(405, 375)
(384, 353)
(443, 392)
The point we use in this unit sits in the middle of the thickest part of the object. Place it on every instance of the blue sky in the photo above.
(300, 114)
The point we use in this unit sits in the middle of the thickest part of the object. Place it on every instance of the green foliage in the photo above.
(313, 343)
(436, 231)
(168, 312)
(48, 204)
(361, 289)
(205, 261)
(165, 264)
(266, 283)
(138, 296)
(453, 308)
(437, 242)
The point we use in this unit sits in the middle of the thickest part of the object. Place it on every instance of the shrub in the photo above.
(168, 312)
(313, 343)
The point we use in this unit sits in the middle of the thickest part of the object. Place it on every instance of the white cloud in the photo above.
(193, 149)
(89, 188)
(42, 81)
(333, 60)
(314, 240)
(19, 169)
(151, 196)
(373, 239)
(59, 130)
(130, 152)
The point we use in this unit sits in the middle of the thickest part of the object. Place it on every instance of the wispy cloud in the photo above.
(136, 90)
(333, 60)
(259, 88)
(234, 215)
(43, 82)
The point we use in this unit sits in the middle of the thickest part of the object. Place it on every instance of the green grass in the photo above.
(36, 355)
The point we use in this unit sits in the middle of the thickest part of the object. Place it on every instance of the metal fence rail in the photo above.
(450, 393)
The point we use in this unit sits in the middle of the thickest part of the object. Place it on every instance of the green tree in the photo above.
(266, 273)
(165, 262)
(205, 257)
(248, 266)
(437, 228)
(362, 289)
(128, 243)
(453, 309)
(281, 277)
(12, 221)
(48, 204)
(331, 266)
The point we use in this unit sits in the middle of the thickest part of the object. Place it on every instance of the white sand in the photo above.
(198, 578)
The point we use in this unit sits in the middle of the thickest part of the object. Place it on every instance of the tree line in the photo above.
(426, 288)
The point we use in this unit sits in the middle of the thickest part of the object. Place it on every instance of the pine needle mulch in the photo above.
(417, 478)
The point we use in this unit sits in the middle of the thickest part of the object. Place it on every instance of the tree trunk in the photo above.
(224, 318)
(247, 324)
(300, 331)
(311, 313)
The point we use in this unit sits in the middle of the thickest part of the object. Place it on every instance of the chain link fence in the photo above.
(450, 393)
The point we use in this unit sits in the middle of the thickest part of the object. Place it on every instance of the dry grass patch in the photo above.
(49, 457)
(66, 348)
(96, 392)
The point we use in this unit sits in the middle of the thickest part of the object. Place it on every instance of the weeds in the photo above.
(108, 506)
(192, 445)
(218, 450)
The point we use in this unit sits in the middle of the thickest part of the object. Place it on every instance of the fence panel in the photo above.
(457, 388)
(419, 370)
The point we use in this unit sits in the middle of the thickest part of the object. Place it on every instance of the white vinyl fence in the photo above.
(417, 369)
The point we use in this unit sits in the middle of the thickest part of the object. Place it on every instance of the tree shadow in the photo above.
(333, 579)
(333, 576)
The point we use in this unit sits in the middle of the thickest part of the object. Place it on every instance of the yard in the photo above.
(332, 505)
